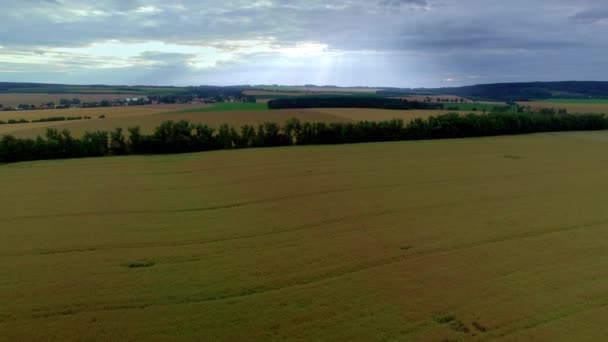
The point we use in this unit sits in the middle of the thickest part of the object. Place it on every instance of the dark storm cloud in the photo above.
(411, 41)
(591, 16)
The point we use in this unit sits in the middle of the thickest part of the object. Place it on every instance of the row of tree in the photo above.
(182, 136)
(349, 102)
(206, 94)
(66, 103)
(514, 91)
(50, 119)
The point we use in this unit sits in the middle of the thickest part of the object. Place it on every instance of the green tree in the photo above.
(118, 144)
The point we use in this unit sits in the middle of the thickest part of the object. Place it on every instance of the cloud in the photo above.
(407, 3)
(591, 16)
(397, 42)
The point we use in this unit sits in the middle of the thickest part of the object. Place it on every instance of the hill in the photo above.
(522, 91)
(506, 92)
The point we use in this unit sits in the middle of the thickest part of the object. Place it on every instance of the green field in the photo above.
(472, 239)
(226, 107)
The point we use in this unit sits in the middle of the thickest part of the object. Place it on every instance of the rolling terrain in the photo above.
(572, 106)
(470, 239)
(135, 114)
(237, 114)
(149, 117)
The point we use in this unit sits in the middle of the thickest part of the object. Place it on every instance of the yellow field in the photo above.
(570, 107)
(128, 114)
(109, 112)
(15, 99)
(149, 119)
(474, 239)
(371, 114)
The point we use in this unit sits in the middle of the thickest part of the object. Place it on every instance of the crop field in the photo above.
(372, 114)
(148, 123)
(213, 116)
(475, 106)
(15, 99)
(226, 106)
(237, 114)
(473, 239)
(131, 114)
(107, 111)
(571, 107)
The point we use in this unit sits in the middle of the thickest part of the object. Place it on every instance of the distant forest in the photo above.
(349, 102)
(514, 91)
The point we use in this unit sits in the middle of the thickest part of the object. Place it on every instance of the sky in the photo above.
(398, 43)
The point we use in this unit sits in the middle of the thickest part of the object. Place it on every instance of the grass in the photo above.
(305, 243)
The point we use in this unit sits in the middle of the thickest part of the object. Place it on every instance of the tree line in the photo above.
(349, 102)
(183, 136)
(525, 91)
(49, 119)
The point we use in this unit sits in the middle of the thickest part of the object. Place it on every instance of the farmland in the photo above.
(237, 114)
(129, 114)
(355, 242)
(15, 99)
(227, 107)
(109, 112)
(477, 107)
(371, 114)
(151, 121)
(571, 106)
